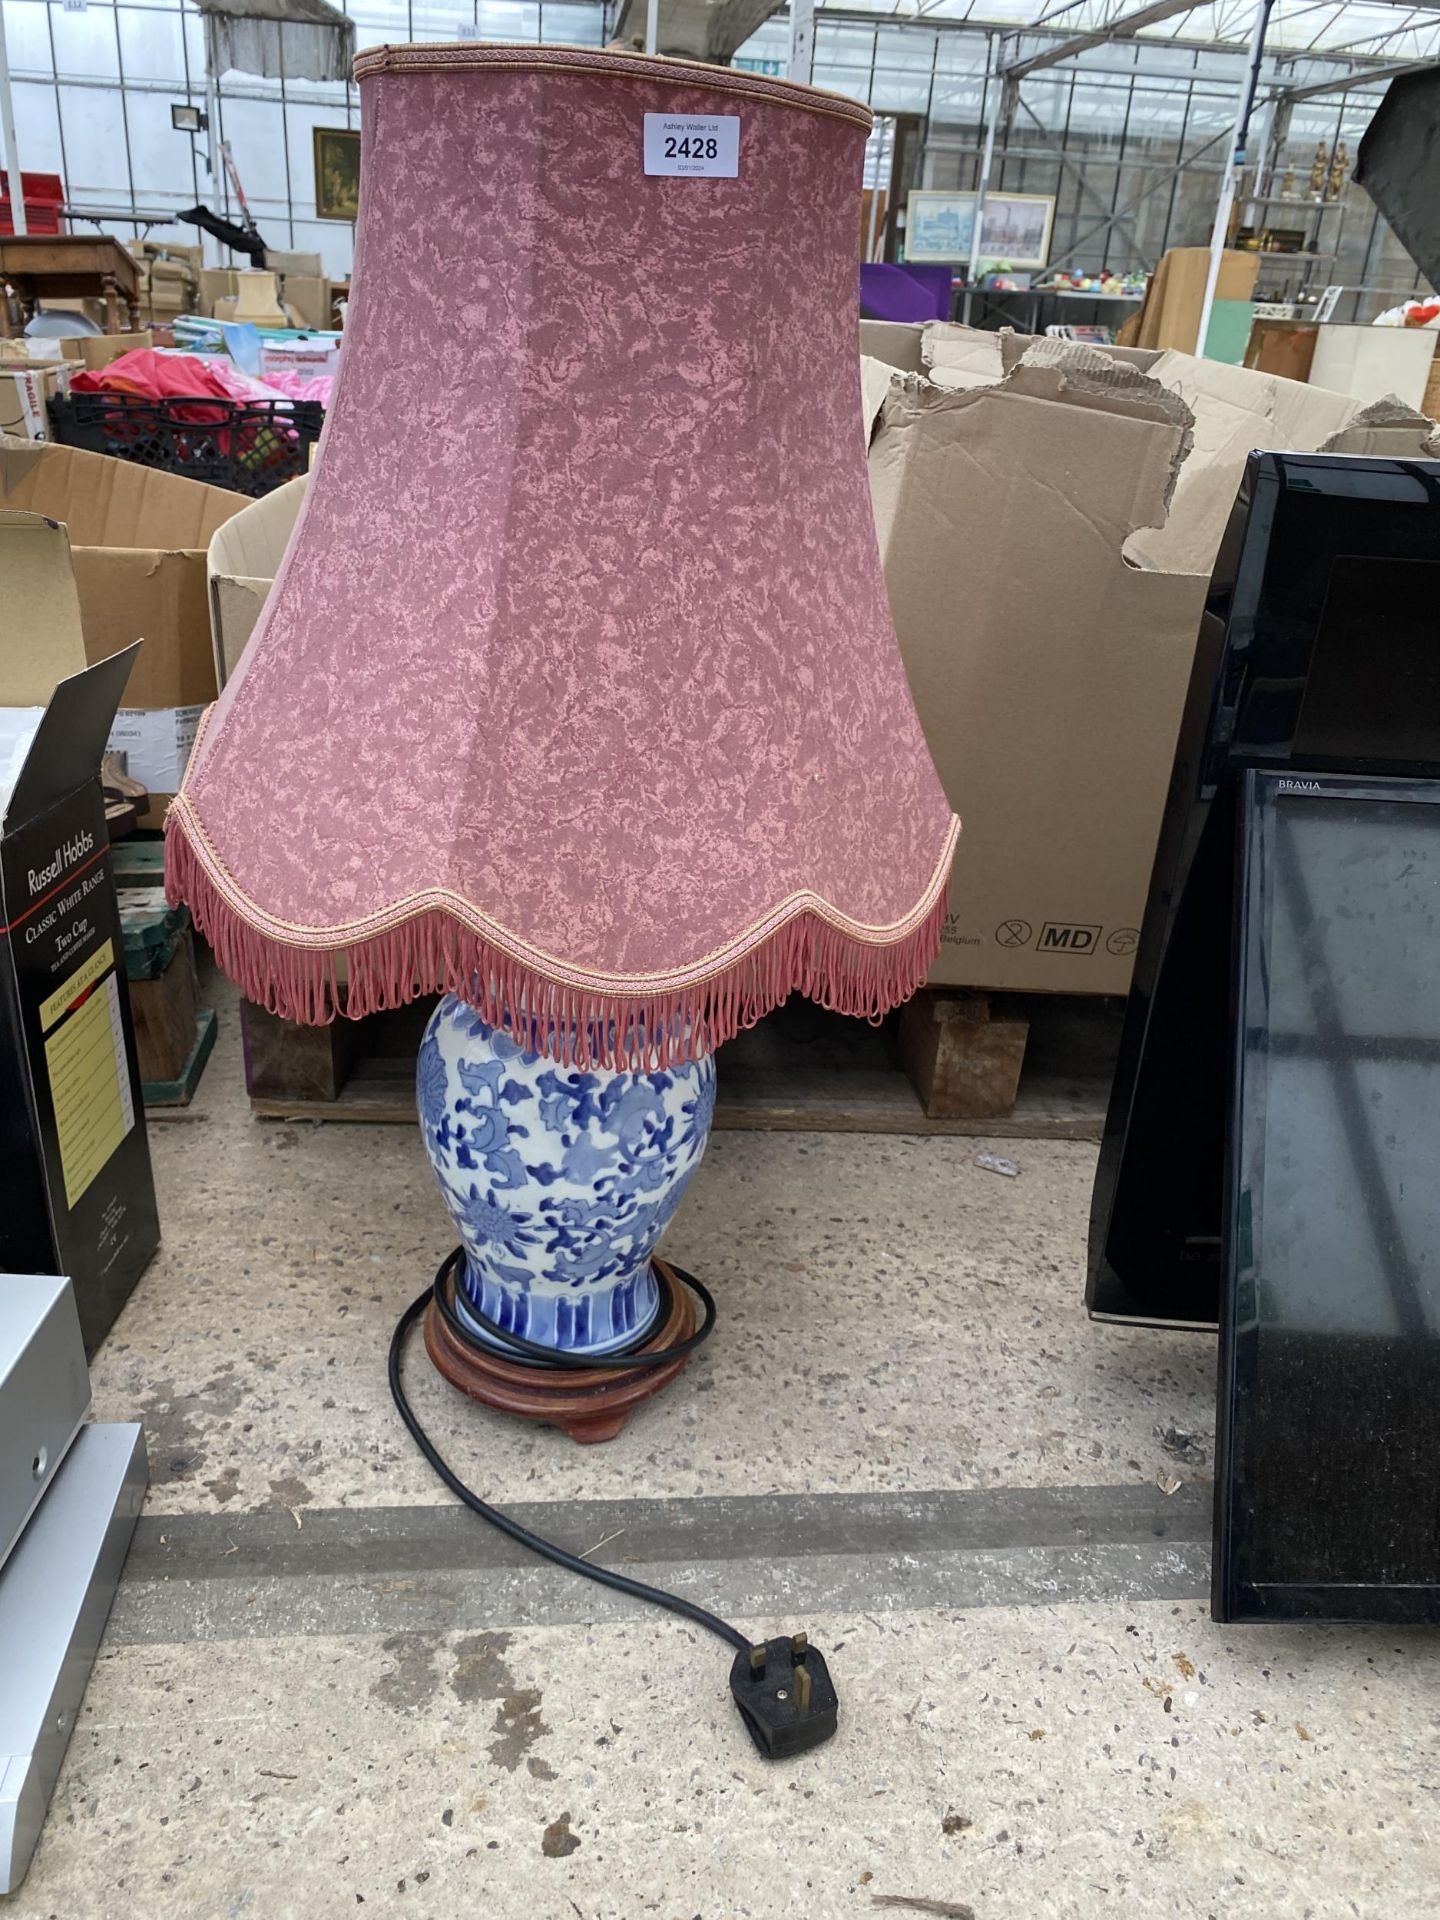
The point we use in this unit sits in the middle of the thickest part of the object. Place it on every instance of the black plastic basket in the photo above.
(247, 445)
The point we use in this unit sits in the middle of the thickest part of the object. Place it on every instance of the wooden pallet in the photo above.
(801, 1070)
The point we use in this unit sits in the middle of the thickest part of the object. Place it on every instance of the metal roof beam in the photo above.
(1120, 28)
(1362, 76)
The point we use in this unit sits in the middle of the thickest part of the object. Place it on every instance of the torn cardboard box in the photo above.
(1047, 537)
(242, 563)
(1238, 409)
(1048, 673)
(137, 540)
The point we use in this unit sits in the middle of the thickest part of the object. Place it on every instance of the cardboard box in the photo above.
(216, 283)
(26, 389)
(305, 357)
(1169, 315)
(1236, 410)
(244, 558)
(279, 260)
(1047, 538)
(308, 297)
(92, 351)
(79, 1196)
(156, 743)
(175, 253)
(169, 276)
(138, 539)
(98, 350)
(897, 343)
(1048, 673)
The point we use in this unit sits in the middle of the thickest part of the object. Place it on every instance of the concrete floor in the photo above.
(326, 1690)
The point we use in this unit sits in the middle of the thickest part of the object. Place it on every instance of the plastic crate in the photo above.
(44, 200)
(250, 446)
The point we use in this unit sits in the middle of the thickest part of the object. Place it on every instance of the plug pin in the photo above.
(757, 1660)
(802, 1688)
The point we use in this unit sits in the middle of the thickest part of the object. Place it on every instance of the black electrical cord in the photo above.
(523, 1350)
(603, 1576)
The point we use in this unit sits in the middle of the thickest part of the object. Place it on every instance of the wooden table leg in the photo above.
(112, 305)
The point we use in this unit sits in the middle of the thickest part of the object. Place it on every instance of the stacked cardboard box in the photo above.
(303, 287)
(1048, 517)
(304, 291)
(169, 279)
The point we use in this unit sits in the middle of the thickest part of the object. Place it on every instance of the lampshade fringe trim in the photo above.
(433, 952)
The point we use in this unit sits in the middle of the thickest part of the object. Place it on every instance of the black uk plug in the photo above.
(785, 1695)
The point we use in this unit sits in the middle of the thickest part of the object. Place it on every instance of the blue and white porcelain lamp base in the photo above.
(560, 1181)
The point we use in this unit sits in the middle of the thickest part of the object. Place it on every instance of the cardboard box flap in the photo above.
(1388, 428)
(956, 356)
(48, 644)
(875, 378)
(1047, 441)
(1090, 378)
(245, 556)
(70, 740)
(112, 503)
(251, 545)
(1236, 410)
(896, 342)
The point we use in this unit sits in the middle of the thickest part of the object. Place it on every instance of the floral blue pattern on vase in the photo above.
(560, 1180)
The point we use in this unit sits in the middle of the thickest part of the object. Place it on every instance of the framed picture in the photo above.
(939, 226)
(1015, 227)
(337, 173)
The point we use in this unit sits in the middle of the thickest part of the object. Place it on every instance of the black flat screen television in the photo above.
(1319, 649)
(1327, 1503)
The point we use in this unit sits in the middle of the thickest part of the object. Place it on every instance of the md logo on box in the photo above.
(1057, 937)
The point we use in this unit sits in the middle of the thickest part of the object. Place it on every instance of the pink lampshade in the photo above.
(577, 693)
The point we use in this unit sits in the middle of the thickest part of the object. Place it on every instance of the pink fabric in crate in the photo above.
(578, 691)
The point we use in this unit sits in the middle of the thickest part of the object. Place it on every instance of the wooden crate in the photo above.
(165, 1006)
(173, 1032)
